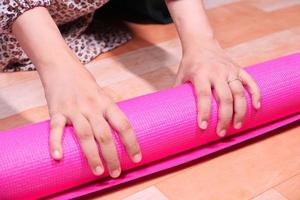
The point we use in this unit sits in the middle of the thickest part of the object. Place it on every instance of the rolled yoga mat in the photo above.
(166, 127)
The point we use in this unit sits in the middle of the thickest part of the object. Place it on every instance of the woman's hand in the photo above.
(205, 64)
(207, 67)
(74, 97)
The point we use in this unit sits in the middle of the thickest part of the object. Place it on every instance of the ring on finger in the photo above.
(233, 79)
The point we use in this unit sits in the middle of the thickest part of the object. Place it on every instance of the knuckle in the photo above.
(111, 159)
(113, 162)
(55, 124)
(243, 112)
(240, 94)
(89, 108)
(204, 114)
(131, 143)
(227, 100)
(93, 158)
(199, 74)
(85, 134)
(193, 66)
(203, 93)
(125, 126)
(56, 116)
(106, 100)
(239, 114)
(257, 91)
(55, 142)
(134, 148)
(204, 111)
(225, 118)
(90, 99)
(74, 111)
(110, 105)
(113, 165)
(193, 74)
(105, 138)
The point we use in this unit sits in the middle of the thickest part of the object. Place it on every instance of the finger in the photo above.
(87, 143)
(203, 93)
(120, 123)
(225, 111)
(240, 104)
(104, 137)
(57, 125)
(253, 88)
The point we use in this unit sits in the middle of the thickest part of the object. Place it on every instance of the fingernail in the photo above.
(56, 154)
(222, 133)
(99, 170)
(137, 158)
(115, 173)
(203, 125)
(238, 125)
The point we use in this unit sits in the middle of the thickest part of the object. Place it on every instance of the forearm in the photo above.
(191, 22)
(40, 38)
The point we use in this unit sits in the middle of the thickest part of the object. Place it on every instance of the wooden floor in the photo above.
(252, 31)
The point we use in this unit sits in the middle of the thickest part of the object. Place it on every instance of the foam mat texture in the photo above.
(166, 127)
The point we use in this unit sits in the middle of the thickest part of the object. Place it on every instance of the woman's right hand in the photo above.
(74, 97)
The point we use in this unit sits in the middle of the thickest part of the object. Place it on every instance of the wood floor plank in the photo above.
(142, 36)
(296, 29)
(273, 5)
(8, 79)
(270, 195)
(151, 193)
(240, 174)
(286, 18)
(131, 188)
(209, 4)
(24, 118)
(266, 48)
(237, 23)
(290, 188)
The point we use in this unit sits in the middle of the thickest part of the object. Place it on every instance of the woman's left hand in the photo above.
(208, 67)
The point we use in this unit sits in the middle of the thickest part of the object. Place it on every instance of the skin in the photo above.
(206, 65)
(74, 97)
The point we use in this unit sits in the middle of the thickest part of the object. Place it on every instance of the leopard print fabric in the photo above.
(74, 18)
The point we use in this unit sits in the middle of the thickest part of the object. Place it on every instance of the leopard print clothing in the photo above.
(74, 18)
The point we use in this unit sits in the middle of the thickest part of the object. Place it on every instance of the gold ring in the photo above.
(235, 79)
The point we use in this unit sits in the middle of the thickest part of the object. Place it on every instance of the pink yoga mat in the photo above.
(166, 128)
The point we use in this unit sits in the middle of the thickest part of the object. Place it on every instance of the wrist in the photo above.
(198, 44)
(52, 71)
